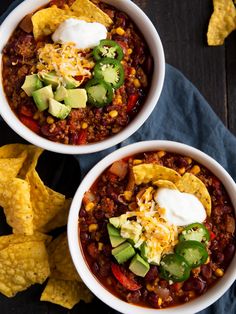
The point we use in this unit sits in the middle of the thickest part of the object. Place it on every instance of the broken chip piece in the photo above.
(145, 173)
(189, 183)
(222, 22)
(22, 265)
(66, 293)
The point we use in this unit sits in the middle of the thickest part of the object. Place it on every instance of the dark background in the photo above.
(182, 26)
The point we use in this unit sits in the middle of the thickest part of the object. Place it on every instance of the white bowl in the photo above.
(90, 280)
(154, 43)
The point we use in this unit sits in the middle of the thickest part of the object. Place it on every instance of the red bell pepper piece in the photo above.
(80, 138)
(126, 282)
(26, 111)
(132, 101)
(212, 235)
(30, 123)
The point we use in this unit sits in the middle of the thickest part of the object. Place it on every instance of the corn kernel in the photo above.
(89, 206)
(109, 281)
(161, 153)
(100, 246)
(159, 301)
(127, 195)
(113, 114)
(150, 287)
(84, 125)
(137, 83)
(189, 160)
(219, 272)
(93, 227)
(50, 120)
(137, 162)
(195, 170)
(182, 170)
(130, 51)
(207, 261)
(36, 115)
(120, 31)
(191, 294)
(132, 71)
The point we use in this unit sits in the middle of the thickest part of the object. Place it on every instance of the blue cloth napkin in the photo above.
(183, 115)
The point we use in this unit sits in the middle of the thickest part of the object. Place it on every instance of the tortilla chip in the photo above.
(91, 11)
(46, 203)
(65, 293)
(46, 21)
(22, 265)
(7, 240)
(61, 264)
(15, 200)
(189, 183)
(222, 22)
(145, 173)
(59, 220)
(165, 184)
(10, 167)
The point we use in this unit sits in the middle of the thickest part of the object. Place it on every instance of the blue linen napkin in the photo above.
(183, 115)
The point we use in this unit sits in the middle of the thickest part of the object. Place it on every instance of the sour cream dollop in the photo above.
(180, 209)
(83, 34)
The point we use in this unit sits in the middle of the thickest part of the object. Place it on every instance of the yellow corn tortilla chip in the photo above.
(10, 167)
(46, 203)
(15, 200)
(61, 264)
(65, 293)
(91, 11)
(59, 220)
(22, 265)
(189, 183)
(7, 240)
(46, 21)
(222, 22)
(145, 173)
(165, 184)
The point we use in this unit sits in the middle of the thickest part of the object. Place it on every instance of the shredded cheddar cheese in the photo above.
(66, 60)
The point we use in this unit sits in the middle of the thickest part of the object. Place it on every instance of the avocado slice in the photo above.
(41, 97)
(77, 98)
(114, 236)
(61, 93)
(139, 266)
(31, 84)
(57, 109)
(115, 221)
(50, 79)
(123, 252)
(70, 82)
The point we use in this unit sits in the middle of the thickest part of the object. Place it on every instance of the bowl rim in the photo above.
(213, 294)
(155, 45)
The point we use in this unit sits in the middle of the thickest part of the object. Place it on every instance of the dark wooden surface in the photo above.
(182, 26)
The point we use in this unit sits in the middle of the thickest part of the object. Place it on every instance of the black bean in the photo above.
(228, 253)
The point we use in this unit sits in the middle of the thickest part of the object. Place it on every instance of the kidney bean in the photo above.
(148, 65)
(99, 214)
(196, 284)
(84, 237)
(163, 283)
(206, 271)
(218, 257)
(180, 162)
(153, 299)
(95, 268)
(151, 274)
(133, 297)
(83, 213)
(228, 253)
(93, 250)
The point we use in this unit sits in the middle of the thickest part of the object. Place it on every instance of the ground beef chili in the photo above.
(90, 124)
(105, 199)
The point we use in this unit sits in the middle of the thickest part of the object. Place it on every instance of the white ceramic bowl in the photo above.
(90, 280)
(154, 43)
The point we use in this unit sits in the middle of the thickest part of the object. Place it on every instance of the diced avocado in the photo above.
(115, 221)
(57, 109)
(143, 250)
(31, 84)
(50, 79)
(131, 230)
(41, 97)
(123, 252)
(114, 236)
(61, 93)
(77, 98)
(70, 82)
(139, 266)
